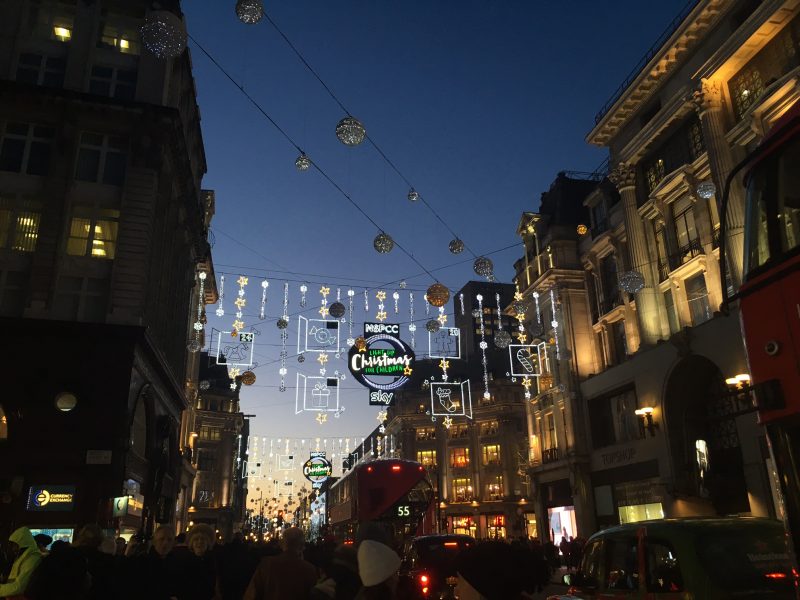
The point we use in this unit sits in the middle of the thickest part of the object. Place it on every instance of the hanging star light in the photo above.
(163, 34)
(442, 318)
(447, 422)
(382, 429)
(383, 243)
(322, 418)
(250, 12)
(350, 131)
(322, 358)
(407, 371)
(323, 311)
(382, 415)
(456, 246)
(237, 324)
(381, 316)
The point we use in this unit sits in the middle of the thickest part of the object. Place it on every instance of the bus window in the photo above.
(756, 240)
(789, 196)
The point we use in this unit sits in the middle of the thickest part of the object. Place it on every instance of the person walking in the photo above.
(377, 566)
(62, 575)
(27, 557)
(286, 576)
(152, 574)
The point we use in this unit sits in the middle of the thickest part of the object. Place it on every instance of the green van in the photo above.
(686, 559)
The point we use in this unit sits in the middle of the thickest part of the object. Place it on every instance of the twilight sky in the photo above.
(478, 102)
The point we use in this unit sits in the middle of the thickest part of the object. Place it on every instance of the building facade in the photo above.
(103, 237)
(646, 349)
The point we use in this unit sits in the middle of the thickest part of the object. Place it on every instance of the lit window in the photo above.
(494, 488)
(491, 454)
(3, 425)
(427, 457)
(459, 457)
(62, 34)
(94, 235)
(462, 489)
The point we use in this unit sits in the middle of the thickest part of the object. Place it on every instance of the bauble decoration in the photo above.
(383, 243)
(163, 34)
(456, 246)
(350, 131)
(337, 310)
(483, 266)
(433, 326)
(438, 295)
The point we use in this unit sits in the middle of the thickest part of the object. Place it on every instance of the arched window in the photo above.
(3, 424)
(139, 429)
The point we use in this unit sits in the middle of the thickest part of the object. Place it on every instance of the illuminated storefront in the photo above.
(464, 525)
(562, 523)
(496, 526)
(531, 530)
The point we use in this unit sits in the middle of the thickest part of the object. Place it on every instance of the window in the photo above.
(610, 283)
(459, 431)
(119, 29)
(139, 429)
(12, 293)
(462, 489)
(205, 460)
(53, 19)
(697, 297)
(36, 69)
(661, 249)
(491, 454)
(494, 488)
(459, 457)
(789, 197)
(619, 342)
(3, 424)
(686, 235)
(663, 571)
(210, 433)
(550, 440)
(612, 418)
(591, 563)
(19, 228)
(113, 82)
(93, 233)
(426, 458)
(623, 571)
(683, 146)
(672, 312)
(488, 428)
(81, 298)
(102, 159)
(426, 433)
(641, 512)
(26, 148)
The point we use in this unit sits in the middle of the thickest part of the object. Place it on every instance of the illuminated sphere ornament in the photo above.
(413, 195)
(582, 229)
(438, 295)
(248, 378)
(483, 266)
(360, 343)
(350, 131)
(220, 312)
(383, 243)
(337, 310)
(631, 281)
(456, 246)
(193, 346)
(519, 307)
(164, 34)
(301, 358)
(502, 339)
(303, 163)
(249, 12)
(433, 326)
(706, 190)
(282, 323)
(234, 333)
(205, 384)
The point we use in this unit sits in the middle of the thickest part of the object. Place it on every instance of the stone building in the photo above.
(103, 236)
(647, 349)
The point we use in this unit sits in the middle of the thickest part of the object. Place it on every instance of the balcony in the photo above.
(684, 254)
(608, 304)
(550, 455)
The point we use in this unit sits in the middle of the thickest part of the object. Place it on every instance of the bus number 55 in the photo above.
(403, 511)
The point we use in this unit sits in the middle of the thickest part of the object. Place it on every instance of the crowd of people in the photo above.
(194, 566)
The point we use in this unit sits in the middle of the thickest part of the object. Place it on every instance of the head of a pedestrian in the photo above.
(378, 565)
(490, 571)
(200, 539)
(43, 541)
(19, 541)
(90, 536)
(293, 541)
(163, 540)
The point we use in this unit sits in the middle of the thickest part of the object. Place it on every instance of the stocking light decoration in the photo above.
(164, 34)
(483, 345)
(221, 311)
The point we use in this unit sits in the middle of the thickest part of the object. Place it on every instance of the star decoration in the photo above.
(233, 386)
(382, 416)
(407, 371)
(522, 337)
(526, 383)
(324, 290)
(362, 349)
(323, 311)
(381, 295)
(444, 364)
(517, 296)
(382, 429)
(240, 302)
(322, 358)
(234, 372)
(242, 281)
(238, 324)
(381, 316)
(521, 317)
(447, 422)
(322, 372)
(442, 318)
(322, 418)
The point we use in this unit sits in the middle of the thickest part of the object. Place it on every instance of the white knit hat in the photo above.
(376, 562)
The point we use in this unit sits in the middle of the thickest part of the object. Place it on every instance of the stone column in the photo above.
(624, 177)
(708, 100)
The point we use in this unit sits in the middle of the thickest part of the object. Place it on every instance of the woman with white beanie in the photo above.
(377, 566)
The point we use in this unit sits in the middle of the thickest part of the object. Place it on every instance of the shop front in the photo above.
(496, 526)
(560, 510)
(464, 525)
(628, 494)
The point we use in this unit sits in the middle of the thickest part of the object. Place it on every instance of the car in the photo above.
(698, 558)
(428, 570)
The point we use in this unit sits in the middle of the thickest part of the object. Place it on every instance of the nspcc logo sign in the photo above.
(51, 498)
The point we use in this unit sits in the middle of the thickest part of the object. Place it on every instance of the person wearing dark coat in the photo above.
(196, 570)
(102, 567)
(152, 574)
(236, 567)
(62, 575)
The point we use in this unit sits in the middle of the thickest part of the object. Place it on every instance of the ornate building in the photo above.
(646, 348)
(103, 237)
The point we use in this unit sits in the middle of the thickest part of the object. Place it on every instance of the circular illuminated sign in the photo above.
(317, 469)
(383, 356)
(42, 498)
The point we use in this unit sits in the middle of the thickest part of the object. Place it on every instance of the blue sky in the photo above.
(479, 103)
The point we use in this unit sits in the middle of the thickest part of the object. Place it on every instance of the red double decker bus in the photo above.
(394, 492)
(769, 298)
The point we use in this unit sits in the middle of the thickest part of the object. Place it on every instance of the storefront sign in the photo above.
(128, 505)
(385, 363)
(317, 469)
(51, 498)
(634, 493)
(623, 456)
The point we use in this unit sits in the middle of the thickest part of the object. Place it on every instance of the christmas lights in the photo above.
(220, 310)
(483, 345)
(264, 286)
